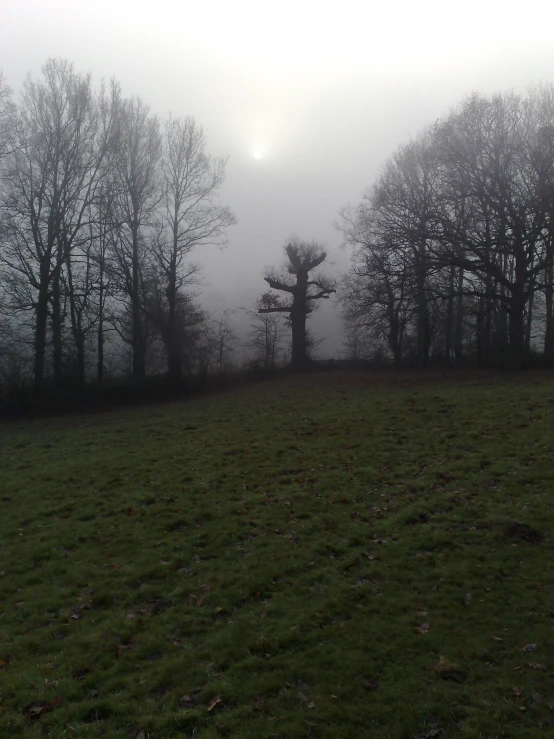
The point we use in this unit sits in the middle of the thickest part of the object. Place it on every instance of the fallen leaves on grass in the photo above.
(186, 701)
(423, 629)
(39, 708)
(35, 710)
(214, 702)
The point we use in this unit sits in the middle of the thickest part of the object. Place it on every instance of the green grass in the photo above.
(326, 556)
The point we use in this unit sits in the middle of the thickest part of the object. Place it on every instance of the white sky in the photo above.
(322, 92)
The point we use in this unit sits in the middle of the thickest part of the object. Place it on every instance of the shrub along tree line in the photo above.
(454, 243)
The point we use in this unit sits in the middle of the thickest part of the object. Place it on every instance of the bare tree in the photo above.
(138, 194)
(266, 331)
(225, 340)
(303, 258)
(191, 216)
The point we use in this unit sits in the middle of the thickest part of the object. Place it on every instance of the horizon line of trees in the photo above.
(102, 205)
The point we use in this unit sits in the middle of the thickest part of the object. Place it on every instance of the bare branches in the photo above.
(455, 239)
(278, 285)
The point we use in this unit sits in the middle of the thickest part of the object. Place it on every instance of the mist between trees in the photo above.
(102, 206)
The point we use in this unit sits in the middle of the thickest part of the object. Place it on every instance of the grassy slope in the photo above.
(326, 556)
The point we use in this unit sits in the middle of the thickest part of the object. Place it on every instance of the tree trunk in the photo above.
(517, 328)
(529, 325)
(100, 332)
(518, 355)
(298, 322)
(75, 312)
(298, 325)
(139, 351)
(57, 349)
(174, 365)
(394, 338)
(490, 291)
(423, 334)
(41, 318)
(479, 333)
(549, 307)
(459, 322)
(80, 347)
(449, 321)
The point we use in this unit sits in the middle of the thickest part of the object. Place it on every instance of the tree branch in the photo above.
(281, 309)
(276, 285)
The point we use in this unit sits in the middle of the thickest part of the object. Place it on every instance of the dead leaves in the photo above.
(39, 708)
(198, 600)
(187, 701)
(214, 702)
(36, 710)
(423, 629)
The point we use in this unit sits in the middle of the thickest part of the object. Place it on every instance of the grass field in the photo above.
(333, 556)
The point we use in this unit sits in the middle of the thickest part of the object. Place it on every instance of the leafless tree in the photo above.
(266, 331)
(303, 258)
(138, 194)
(225, 340)
(190, 216)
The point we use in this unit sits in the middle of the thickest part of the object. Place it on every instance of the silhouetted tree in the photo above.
(225, 340)
(190, 216)
(137, 180)
(266, 331)
(303, 258)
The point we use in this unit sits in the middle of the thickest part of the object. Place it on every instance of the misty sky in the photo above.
(307, 98)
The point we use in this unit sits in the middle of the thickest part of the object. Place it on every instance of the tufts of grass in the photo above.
(339, 556)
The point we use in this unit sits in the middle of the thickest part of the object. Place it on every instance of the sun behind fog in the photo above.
(258, 154)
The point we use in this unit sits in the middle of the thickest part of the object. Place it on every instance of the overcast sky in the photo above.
(307, 98)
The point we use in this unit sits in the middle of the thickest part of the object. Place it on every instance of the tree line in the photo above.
(454, 243)
(102, 205)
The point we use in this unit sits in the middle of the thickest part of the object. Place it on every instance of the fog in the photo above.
(308, 100)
